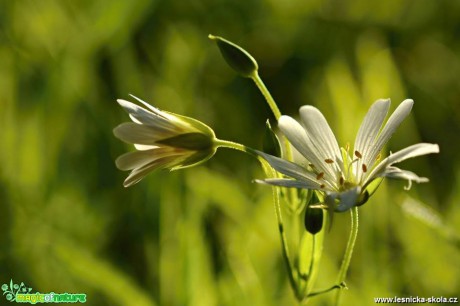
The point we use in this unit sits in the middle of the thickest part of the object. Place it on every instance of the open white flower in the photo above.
(344, 178)
(164, 141)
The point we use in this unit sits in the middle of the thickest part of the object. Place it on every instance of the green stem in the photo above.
(235, 146)
(268, 97)
(276, 111)
(348, 252)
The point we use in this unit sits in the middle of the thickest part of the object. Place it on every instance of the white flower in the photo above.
(164, 141)
(343, 178)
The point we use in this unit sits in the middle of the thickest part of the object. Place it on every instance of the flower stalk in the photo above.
(348, 253)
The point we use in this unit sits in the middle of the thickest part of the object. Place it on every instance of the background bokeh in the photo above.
(208, 235)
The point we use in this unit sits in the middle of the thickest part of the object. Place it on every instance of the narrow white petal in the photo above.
(139, 173)
(406, 153)
(150, 107)
(396, 173)
(141, 114)
(173, 118)
(415, 150)
(388, 130)
(290, 183)
(320, 134)
(370, 127)
(298, 137)
(137, 159)
(144, 147)
(289, 168)
(131, 132)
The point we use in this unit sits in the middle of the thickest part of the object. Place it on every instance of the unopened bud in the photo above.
(238, 58)
(313, 220)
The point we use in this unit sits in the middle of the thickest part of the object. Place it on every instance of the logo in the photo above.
(20, 293)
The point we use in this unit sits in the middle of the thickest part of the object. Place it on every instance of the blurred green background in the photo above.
(208, 235)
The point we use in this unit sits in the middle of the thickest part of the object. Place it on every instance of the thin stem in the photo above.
(268, 97)
(235, 146)
(276, 111)
(348, 252)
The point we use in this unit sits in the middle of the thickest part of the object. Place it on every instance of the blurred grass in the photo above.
(207, 236)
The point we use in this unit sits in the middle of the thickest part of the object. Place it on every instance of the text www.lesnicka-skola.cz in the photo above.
(416, 300)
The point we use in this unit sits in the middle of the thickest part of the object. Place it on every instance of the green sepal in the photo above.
(195, 159)
(194, 124)
(271, 144)
(238, 58)
(189, 141)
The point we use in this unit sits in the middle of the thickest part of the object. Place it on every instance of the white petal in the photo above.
(166, 115)
(158, 119)
(415, 150)
(396, 173)
(297, 136)
(320, 134)
(131, 132)
(390, 127)
(140, 114)
(150, 107)
(289, 168)
(144, 147)
(137, 159)
(290, 183)
(409, 152)
(370, 127)
(139, 173)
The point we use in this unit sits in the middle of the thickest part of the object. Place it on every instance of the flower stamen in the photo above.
(320, 176)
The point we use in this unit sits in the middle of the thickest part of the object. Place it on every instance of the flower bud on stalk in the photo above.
(238, 58)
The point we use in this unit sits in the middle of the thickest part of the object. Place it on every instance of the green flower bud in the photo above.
(238, 58)
(271, 144)
(313, 220)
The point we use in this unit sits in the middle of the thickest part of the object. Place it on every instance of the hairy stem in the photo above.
(348, 252)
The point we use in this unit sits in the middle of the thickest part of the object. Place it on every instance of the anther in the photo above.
(364, 168)
(311, 165)
(328, 161)
(358, 155)
(322, 186)
(341, 180)
(320, 176)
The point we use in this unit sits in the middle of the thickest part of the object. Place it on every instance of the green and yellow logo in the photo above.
(20, 293)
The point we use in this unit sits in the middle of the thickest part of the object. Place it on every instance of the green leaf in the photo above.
(238, 58)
